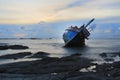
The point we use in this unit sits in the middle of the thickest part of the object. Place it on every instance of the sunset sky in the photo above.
(27, 18)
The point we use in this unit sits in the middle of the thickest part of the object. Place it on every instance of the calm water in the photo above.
(55, 47)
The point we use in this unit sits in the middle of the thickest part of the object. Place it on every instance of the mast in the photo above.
(89, 22)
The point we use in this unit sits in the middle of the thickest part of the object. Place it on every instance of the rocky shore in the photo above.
(5, 47)
(24, 55)
(73, 67)
(15, 56)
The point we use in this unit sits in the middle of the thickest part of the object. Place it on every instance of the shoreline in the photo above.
(71, 67)
(44, 67)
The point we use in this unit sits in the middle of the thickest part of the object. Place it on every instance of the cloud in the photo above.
(35, 11)
(20, 35)
(118, 28)
(76, 3)
(107, 31)
(55, 29)
(104, 3)
(93, 4)
(19, 11)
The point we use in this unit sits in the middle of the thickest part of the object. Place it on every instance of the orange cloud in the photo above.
(20, 35)
(107, 31)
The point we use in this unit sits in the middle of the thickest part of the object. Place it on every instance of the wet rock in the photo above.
(4, 47)
(47, 65)
(18, 47)
(109, 69)
(118, 78)
(31, 77)
(103, 55)
(73, 57)
(65, 68)
(115, 54)
(109, 59)
(15, 56)
(104, 67)
(77, 54)
(39, 55)
(114, 72)
(50, 59)
(116, 64)
(86, 77)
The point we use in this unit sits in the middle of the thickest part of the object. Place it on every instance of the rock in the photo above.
(47, 65)
(109, 59)
(31, 77)
(114, 72)
(118, 78)
(15, 56)
(109, 69)
(18, 47)
(86, 77)
(77, 54)
(73, 57)
(49, 59)
(39, 55)
(116, 64)
(103, 55)
(116, 54)
(4, 47)
(65, 68)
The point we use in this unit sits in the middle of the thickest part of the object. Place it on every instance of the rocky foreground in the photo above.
(72, 67)
(6, 47)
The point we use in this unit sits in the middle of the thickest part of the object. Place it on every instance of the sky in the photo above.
(49, 18)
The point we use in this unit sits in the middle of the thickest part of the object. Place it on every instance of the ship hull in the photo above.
(72, 38)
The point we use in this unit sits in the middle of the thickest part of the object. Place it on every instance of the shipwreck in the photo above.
(75, 36)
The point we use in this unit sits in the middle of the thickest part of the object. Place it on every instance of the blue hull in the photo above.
(73, 38)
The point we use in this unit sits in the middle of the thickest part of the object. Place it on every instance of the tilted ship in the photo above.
(74, 36)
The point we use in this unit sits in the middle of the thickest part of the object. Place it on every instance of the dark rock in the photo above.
(15, 56)
(115, 54)
(87, 77)
(18, 47)
(77, 54)
(39, 55)
(103, 55)
(49, 59)
(4, 47)
(73, 57)
(47, 65)
(109, 69)
(2, 71)
(109, 59)
(104, 68)
(118, 78)
(114, 72)
(70, 66)
(116, 64)
(65, 68)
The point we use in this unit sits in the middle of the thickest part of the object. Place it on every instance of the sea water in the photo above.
(55, 48)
